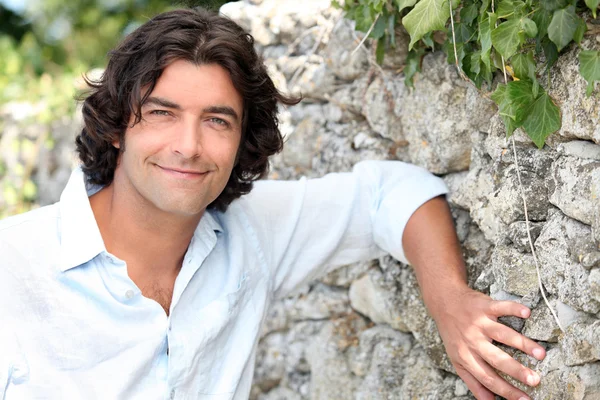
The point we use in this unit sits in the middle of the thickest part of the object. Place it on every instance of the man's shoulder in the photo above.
(24, 230)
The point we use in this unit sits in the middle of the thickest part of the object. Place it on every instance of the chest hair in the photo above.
(162, 295)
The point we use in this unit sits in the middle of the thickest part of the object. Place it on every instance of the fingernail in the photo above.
(525, 313)
(531, 380)
(523, 398)
(538, 353)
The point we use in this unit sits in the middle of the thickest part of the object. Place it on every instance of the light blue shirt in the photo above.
(73, 325)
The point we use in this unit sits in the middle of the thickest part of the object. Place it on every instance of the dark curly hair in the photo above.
(200, 37)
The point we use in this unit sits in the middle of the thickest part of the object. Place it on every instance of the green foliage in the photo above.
(589, 68)
(482, 41)
(426, 16)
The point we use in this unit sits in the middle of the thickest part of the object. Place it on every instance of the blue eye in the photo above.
(219, 121)
(160, 112)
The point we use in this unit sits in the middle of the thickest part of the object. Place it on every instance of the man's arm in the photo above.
(466, 319)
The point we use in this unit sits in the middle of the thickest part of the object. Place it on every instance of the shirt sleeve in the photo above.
(310, 226)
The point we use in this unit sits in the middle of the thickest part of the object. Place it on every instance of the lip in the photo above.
(183, 173)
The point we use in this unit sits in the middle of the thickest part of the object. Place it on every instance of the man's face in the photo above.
(178, 159)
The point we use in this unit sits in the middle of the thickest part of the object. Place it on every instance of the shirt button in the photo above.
(172, 395)
(129, 294)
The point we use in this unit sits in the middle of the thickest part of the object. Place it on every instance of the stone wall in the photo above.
(362, 331)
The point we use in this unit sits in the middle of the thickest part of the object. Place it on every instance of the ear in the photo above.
(116, 144)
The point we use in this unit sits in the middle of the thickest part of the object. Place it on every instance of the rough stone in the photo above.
(580, 113)
(370, 300)
(573, 187)
(581, 343)
(558, 248)
(339, 53)
(515, 272)
(331, 376)
(439, 115)
(344, 276)
(517, 232)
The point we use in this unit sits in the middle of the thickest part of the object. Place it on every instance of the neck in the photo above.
(151, 241)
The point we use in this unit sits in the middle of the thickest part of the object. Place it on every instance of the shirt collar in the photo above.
(80, 237)
(81, 240)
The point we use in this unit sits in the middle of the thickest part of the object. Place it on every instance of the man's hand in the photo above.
(467, 326)
(467, 320)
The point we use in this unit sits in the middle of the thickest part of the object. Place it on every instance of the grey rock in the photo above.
(362, 358)
(344, 276)
(562, 274)
(581, 343)
(517, 232)
(573, 187)
(594, 281)
(515, 272)
(370, 300)
(379, 105)
(331, 376)
(541, 325)
(339, 53)
(579, 112)
(580, 149)
(454, 181)
(423, 381)
(439, 115)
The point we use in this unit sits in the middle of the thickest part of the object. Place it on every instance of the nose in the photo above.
(187, 140)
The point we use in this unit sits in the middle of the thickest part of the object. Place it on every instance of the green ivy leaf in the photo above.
(563, 26)
(428, 40)
(542, 18)
(460, 51)
(550, 51)
(593, 5)
(413, 65)
(507, 37)
(380, 51)
(529, 27)
(580, 31)
(463, 32)
(508, 8)
(520, 96)
(476, 62)
(402, 4)
(469, 13)
(524, 66)
(589, 68)
(485, 4)
(542, 120)
(392, 29)
(499, 97)
(379, 28)
(485, 40)
(427, 16)
(552, 5)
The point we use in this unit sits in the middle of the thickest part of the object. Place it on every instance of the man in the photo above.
(151, 276)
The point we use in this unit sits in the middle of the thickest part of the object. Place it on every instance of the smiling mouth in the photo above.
(183, 173)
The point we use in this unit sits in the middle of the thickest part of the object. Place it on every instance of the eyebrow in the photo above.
(162, 102)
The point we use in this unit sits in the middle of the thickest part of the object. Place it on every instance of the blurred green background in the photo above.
(45, 44)
(45, 48)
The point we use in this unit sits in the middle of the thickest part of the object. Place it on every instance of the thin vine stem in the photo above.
(366, 35)
(522, 192)
(459, 70)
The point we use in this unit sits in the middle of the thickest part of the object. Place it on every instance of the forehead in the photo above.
(194, 86)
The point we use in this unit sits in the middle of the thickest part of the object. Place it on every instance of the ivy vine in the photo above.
(521, 38)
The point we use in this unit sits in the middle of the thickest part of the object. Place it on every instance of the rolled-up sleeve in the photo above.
(307, 227)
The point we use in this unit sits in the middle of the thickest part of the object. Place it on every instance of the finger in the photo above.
(503, 334)
(502, 308)
(501, 361)
(479, 391)
(491, 380)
